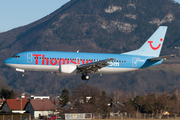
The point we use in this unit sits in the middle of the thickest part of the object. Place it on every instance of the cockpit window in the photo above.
(16, 56)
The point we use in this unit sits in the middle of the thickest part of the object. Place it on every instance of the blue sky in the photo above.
(16, 13)
(177, 1)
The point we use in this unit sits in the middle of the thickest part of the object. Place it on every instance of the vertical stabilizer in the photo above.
(152, 47)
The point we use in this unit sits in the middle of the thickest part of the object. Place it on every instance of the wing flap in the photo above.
(93, 67)
(160, 58)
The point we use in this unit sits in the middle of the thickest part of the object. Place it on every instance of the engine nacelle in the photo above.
(69, 69)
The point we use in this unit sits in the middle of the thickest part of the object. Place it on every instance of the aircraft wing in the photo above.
(160, 58)
(94, 66)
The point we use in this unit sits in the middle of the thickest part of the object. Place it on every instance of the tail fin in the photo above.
(152, 47)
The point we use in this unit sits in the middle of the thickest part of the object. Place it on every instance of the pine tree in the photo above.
(7, 94)
(64, 97)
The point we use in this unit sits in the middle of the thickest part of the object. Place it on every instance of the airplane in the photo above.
(71, 63)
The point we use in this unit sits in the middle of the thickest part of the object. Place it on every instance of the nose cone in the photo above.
(7, 61)
(11, 62)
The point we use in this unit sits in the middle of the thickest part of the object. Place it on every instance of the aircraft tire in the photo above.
(22, 75)
(87, 77)
(83, 77)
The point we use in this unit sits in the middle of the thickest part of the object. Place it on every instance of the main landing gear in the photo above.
(85, 76)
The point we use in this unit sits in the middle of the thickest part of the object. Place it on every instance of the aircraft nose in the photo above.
(7, 61)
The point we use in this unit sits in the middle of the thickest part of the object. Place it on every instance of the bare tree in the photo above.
(117, 96)
(85, 97)
(157, 103)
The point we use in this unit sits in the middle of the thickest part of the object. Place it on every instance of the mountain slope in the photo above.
(95, 26)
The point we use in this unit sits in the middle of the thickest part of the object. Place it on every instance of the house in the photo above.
(14, 105)
(81, 99)
(40, 107)
(39, 97)
(1, 102)
(116, 107)
(26, 95)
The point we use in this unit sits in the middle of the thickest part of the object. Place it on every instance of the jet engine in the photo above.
(69, 69)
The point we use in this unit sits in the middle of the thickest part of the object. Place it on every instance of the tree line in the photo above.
(86, 98)
(6, 94)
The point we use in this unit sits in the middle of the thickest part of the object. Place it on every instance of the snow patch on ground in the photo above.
(112, 9)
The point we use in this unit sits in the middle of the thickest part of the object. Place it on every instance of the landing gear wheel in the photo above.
(22, 75)
(85, 77)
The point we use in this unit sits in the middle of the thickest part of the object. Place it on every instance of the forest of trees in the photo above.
(117, 100)
(6, 94)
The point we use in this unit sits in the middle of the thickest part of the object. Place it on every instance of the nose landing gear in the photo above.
(85, 76)
(22, 75)
(21, 70)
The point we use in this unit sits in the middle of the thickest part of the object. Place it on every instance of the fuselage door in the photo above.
(134, 62)
(29, 57)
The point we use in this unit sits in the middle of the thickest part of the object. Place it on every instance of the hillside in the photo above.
(97, 26)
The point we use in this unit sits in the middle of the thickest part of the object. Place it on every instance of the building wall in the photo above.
(6, 108)
(18, 111)
(41, 97)
(42, 113)
(29, 109)
(36, 114)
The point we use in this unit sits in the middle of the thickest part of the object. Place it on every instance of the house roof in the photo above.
(42, 105)
(15, 104)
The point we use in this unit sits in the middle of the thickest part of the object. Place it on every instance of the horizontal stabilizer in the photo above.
(160, 58)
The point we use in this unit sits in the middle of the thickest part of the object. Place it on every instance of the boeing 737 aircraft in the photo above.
(71, 63)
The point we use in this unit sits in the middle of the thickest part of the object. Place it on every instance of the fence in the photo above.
(14, 116)
(133, 116)
(5, 116)
(69, 116)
